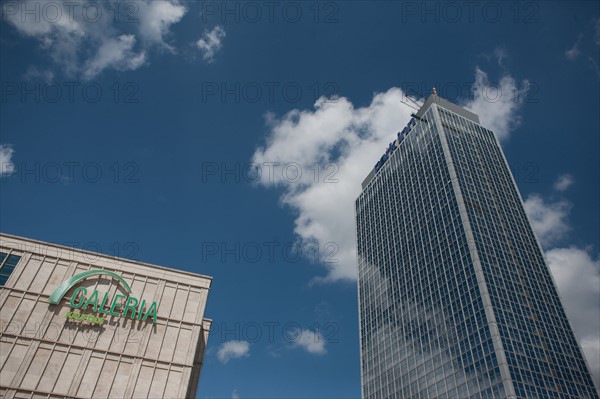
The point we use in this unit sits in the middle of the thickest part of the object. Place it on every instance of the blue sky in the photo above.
(139, 131)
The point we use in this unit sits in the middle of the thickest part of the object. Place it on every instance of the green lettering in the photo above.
(92, 300)
(103, 303)
(130, 306)
(151, 311)
(75, 295)
(115, 304)
(141, 309)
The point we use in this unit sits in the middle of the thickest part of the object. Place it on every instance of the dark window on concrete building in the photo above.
(8, 263)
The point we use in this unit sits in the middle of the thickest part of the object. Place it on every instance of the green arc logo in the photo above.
(62, 289)
(121, 305)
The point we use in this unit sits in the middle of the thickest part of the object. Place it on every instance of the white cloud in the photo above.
(501, 55)
(549, 220)
(352, 139)
(115, 53)
(563, 182)
(573, 53)
(497, 104)
(156, 17)
(33, 18)
(211, 42)
(577, 276)
(59, 34)
(233, 350)
(85, 43)
(7, 166)
(311, 341)
(235, 395)
(33, 73)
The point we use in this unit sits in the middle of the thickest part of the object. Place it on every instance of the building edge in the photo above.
(481, 282)
(98, 254)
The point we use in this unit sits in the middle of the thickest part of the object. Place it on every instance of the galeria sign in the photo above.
(131, 307)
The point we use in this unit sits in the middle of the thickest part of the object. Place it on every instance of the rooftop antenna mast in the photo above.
(414, 102)
(409, 105)
(416, 105)
(418, 95)
(420, 118)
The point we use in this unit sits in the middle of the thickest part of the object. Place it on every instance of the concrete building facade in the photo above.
(84, 325)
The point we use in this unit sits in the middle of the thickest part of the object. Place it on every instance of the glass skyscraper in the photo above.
(455, 297)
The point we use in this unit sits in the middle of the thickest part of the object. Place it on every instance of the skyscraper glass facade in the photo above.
(455, 297)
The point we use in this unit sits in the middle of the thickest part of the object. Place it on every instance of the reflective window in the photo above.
(8, 264)
(423, 327)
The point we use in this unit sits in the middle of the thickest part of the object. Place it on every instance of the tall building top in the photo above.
(433, 99)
